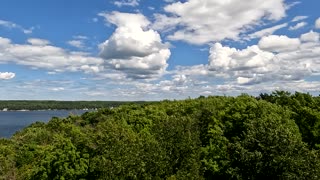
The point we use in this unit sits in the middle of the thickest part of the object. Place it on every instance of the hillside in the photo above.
(273, 136)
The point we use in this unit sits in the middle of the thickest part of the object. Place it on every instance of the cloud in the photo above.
(267, 31)
(39, 54)
(44, 89)
(276, 43)
(133, 48)
(38, 42)
(205, 21)
(7, 75)
(57, 89)
(4, 42)
(127, 3)
(80, 37)
(8, 24)
(299, 18)
(310, 37)
(269, 61)
(233, 61)
(317, 23)
(28, 31)
(11, 25)
(76, 43)
(195, 70)
(297, 26)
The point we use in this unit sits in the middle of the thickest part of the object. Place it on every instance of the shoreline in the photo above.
(26, 110)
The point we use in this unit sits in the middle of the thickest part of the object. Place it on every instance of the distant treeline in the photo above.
(273, 136)
(44, 105)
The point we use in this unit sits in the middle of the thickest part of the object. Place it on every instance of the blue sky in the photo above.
(157, 49)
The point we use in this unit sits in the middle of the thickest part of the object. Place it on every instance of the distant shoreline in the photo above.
(25, 105)
(26, 110)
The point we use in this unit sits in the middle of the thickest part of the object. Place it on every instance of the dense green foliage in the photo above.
(44, 105)
(273, 136)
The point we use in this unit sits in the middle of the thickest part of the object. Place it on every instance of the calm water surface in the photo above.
(12, 121)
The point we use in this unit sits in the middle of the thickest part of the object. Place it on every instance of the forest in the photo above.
(272, 136)
(67, 105)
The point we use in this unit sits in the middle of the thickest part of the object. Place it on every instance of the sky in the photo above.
(129, 50)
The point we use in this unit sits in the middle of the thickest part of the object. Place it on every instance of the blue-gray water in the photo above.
(12, 121)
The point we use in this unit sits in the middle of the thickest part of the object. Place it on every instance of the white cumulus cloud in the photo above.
(276, 43)
(6, 75)
(38, 42)
(204, 21)
(269, 61)
(317, 23)
(134, 48)
(310, 37)
(234, 62)
(39, 54)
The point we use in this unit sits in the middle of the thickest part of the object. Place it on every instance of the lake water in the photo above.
(12, 121)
